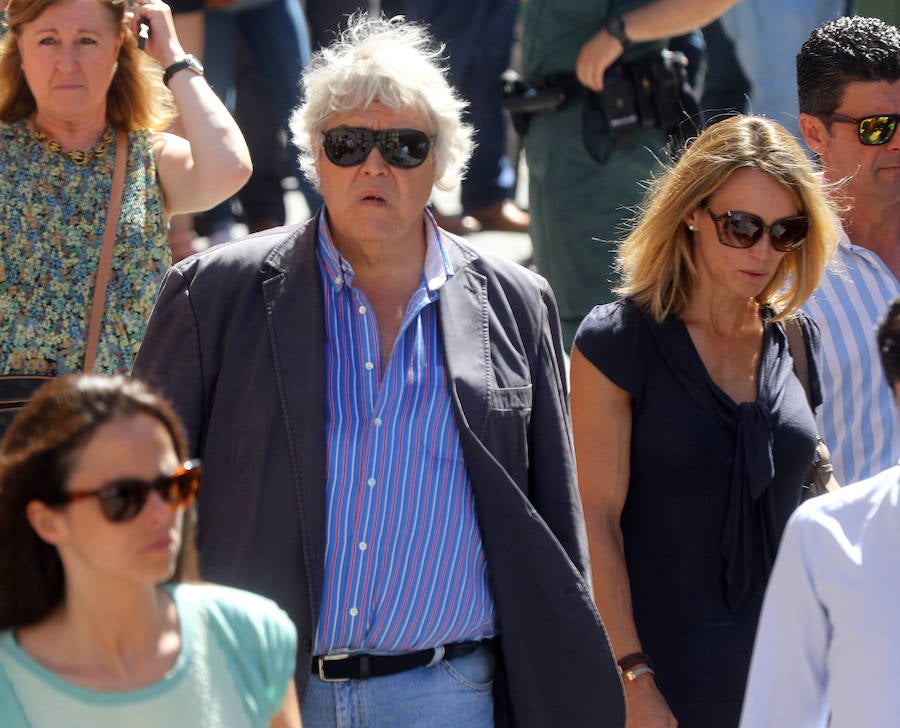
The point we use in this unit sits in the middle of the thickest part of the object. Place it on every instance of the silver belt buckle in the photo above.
(331, 658)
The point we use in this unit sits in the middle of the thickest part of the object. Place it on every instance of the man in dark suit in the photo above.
(381, 411)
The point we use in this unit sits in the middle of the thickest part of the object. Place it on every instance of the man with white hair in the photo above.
(381, 411)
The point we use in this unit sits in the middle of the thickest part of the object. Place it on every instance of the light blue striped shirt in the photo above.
(404, 562)
(858, 418)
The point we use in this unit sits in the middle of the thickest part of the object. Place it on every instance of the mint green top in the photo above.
(236, 661)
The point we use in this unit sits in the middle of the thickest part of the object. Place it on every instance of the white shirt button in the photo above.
(371, 482)
(369, 366)
(353, 611)
(339, 280)
(363, 545)
(362, 309)
(377, 422)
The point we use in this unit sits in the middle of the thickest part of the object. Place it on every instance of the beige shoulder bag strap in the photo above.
(797, 347)
(821, 475)
(98, 303)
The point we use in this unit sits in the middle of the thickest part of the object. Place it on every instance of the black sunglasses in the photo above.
(744, 229)
(347, 146)
(122, 500)
(873, 130)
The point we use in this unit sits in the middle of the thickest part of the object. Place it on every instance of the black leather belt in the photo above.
(344, 666)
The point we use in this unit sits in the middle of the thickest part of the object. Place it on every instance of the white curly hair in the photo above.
(391, 62)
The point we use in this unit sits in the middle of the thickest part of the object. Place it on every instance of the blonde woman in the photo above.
(692, 433)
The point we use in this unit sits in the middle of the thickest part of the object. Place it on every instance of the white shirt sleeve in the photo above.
(788, 672)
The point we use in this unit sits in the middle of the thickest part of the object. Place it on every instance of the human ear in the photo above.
(814, 133)
(45, 521)
(692, 218)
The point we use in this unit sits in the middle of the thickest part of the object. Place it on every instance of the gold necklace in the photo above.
(79, 156)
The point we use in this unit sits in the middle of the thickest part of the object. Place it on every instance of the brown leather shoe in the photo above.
(456, 224)
(506, 216)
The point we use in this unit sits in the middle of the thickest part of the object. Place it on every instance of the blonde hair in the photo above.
(136, 99)
(657, 259)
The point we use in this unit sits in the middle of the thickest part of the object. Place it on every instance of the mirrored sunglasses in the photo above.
(872, 131)
(348, 146)
(744, 230)
(122, 500)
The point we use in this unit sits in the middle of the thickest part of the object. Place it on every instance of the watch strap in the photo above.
(187, 61)
(615, 26)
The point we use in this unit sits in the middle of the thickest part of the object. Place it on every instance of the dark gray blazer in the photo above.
(236, 341)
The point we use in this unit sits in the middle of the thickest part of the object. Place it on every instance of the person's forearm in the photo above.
(646, 706)
(220, 156)
(668, 18)
(612, 588)
(659, 19)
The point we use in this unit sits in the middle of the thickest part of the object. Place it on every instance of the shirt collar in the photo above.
(436, 271)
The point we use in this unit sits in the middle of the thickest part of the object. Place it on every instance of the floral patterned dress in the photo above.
(52, 216)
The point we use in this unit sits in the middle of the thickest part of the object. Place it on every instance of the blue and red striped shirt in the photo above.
(404, 561)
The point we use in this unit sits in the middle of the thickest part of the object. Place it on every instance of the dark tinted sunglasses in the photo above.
(744, 230)
(348, 146)
(872, 131)
(122, 500)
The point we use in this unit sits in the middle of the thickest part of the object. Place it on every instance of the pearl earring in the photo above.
(692, 228)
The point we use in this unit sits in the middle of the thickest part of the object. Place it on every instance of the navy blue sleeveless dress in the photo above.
(712, 484)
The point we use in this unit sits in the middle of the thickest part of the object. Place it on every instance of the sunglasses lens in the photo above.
(877, 130)
(744, 230)
(789, 233)
(124, 501)
(741, 229)
(346, 147)
(405, 148)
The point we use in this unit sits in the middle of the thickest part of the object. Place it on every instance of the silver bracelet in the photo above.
(632, 675)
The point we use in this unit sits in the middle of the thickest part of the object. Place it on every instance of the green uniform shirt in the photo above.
(555, 30)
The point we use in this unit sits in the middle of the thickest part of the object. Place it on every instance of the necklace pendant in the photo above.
(78, 156)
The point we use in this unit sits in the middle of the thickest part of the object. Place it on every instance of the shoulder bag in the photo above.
(820, 478)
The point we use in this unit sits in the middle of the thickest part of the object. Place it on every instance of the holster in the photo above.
(648, 93)
(521, 98)
(665, 97)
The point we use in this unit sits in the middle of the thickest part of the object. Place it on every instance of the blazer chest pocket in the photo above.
(506, 433)
(511, 398)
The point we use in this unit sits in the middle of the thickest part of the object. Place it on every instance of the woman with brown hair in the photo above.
(96, 627)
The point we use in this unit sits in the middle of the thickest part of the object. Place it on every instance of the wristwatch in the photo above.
(190, 62)
(615, 26)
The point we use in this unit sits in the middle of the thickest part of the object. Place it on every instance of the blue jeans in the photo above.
(479, 38)
(276, 37)
(454, 693)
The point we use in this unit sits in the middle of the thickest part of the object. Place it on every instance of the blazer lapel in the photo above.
(295, 319)
(463, 314)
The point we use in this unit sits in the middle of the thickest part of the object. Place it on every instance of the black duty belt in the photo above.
(344, 666)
